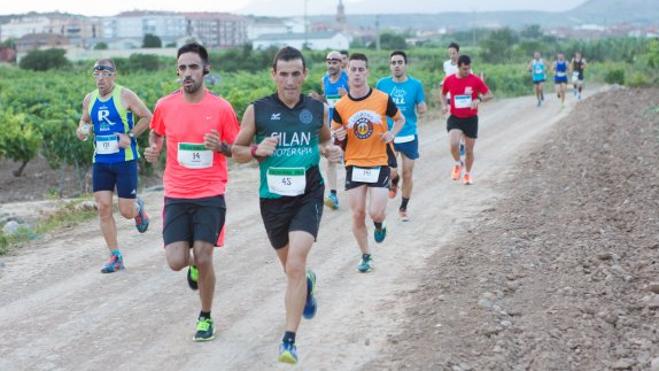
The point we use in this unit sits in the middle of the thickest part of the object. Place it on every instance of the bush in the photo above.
(151, 41)
(101, 46)
(43, 60)
(144, 62)
(19, 140)
(615, 76)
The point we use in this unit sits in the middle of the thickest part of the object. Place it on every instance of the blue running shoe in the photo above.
(310, 306)
(205, 330)
(142, 218)
(332, 201)
(115, 263)
(366, 264)
(287, 353)
(380, 234)
(462, 149)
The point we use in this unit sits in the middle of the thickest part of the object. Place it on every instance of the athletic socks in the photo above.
(378, 225)
(403, 204)
(203, 314)
(333, 191)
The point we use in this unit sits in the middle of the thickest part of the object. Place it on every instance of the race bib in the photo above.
(560, 74)
(286, 181)
(538, 71)
(365, 175)
(194, 156)
(332, 99)
(107, 144)
(463, 101)
(575, 76)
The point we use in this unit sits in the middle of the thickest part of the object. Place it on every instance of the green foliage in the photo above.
(498, 46)
(391, 41)
(19, 139)
(101, 46)
(43, 60)
(151, 41)
(143, 62)
(615, 76)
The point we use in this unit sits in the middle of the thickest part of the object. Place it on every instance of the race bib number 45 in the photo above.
(194, 156)
(107, 144)
(286, 181)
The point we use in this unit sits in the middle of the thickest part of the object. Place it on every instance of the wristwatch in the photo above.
(131, 135)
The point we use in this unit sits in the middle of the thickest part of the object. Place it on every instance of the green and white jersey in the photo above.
(292, 170)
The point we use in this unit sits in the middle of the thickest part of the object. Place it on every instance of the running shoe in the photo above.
(115, 263)
(205, 330)
(142, 218)
(193, 277)
(539, 103)
(310, 306)
(366, 264)
(287, 353)
(332, 201)
(467, 180)
(462, 149)
(380, 234)
(455, 173)
(403, 215)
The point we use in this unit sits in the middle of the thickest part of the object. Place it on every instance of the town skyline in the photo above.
(283, 8)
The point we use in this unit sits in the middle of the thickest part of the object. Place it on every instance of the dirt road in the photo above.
(58, 312)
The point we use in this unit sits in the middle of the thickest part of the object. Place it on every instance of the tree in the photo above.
(151, 41)
(533, 32)
(101, 46)
(498, 45)
(19, 140)
(43, 60)
(392, 41)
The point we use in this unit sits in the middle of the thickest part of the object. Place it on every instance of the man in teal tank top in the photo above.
(291, 133)
(109, 113)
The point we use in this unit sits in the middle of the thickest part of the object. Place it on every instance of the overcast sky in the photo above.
(282, 7)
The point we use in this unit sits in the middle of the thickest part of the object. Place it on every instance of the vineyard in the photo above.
(39, 110)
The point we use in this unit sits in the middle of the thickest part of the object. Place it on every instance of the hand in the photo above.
(83, 131)
(316, 96)
(212, 140)
(474, 103)
(267, 147)
(342, 91)
(388, 137)
(340, 133)
(124, 140)
(333, 153)
(152, 153)
(445, 110)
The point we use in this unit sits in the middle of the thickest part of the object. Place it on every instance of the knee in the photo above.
(203, 260)
(407, 176)
(104, 209)
(358, 216)
(377, 216)
(127, 212)
(176, 263)
(469, 152)
(295, 268)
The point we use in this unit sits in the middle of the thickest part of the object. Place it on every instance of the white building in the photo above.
(134, 25)
(313, 40)
(19, 27)
(259, 26)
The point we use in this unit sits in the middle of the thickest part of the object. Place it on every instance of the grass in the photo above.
(67, 215)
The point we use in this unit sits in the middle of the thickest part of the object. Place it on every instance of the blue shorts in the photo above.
(560, 80)
(409, 149)
(123, 175)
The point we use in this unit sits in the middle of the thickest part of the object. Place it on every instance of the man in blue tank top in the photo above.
(110, 112)
(407, 92)
(335, 85)
(537, 68)
(560, 77)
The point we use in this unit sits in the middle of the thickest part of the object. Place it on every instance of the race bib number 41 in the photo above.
(194, 156)
(107, 144)
(286, 181)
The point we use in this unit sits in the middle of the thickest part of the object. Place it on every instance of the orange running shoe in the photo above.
(455, 173)
(466, 180)
(393, 191)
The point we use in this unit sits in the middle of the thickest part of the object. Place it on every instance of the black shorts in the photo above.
(468, 126)
(287, 214)
(382, 182)
(193, 220)
(538, 82)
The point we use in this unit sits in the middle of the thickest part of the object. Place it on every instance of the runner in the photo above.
(451, 68)
(467, 90)
(200, 128)
(344, 60)
(577, 66)
(288, 128)
(537, 69)
(335, 85)
(407, 92)
(111, 110)
(560, 77)
(360, 125)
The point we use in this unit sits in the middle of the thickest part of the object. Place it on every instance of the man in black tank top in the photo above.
(577, 66)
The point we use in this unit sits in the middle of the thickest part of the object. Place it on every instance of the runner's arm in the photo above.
(241, 147)
(137, 106)
(487, 96)
(84, 119)
(421, 109)
(326, 145)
